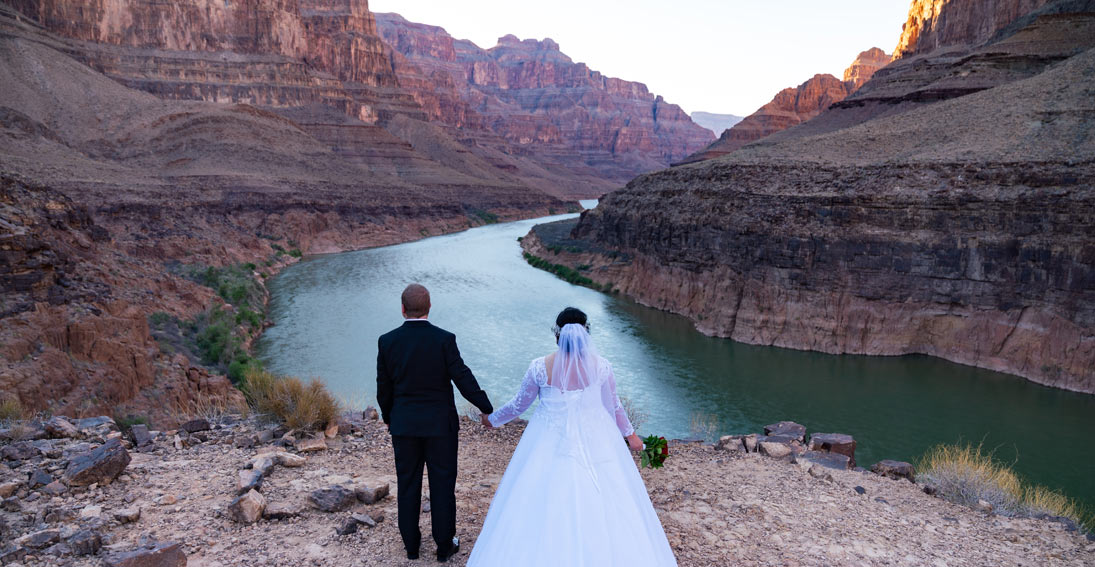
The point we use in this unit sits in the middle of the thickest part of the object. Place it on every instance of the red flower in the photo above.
(665, 450)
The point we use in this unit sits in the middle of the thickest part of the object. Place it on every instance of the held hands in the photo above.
(634, 443)
(486, 422)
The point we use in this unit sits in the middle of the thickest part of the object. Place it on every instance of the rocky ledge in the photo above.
(216, 491)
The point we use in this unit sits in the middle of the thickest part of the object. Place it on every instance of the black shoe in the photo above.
(412, 555)
(443, 556)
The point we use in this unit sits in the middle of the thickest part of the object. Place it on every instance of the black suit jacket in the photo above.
(416, 365)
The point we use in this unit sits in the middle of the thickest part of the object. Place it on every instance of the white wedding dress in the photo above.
(571, 495)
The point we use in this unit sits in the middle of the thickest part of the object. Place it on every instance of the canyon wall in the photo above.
(793, 106)
(953, 218)
(935, 24)
(103, 188)
(534, 96)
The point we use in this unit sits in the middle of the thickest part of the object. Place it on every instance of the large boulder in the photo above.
(895, 470)
(247, 509)
(835, 461)
(731, 443)
(195, 425)
(834, 443)
(787, 429)
(162, 555)
(20, 451)
(774, 450)
(332, 499)
(59, 427)
(100, 466)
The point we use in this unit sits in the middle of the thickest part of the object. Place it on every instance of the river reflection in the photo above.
(329, 311)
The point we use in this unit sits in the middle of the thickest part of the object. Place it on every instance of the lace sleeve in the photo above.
(612, 403)
(526, 394)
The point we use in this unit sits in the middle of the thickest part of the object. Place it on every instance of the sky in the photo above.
(723, 56)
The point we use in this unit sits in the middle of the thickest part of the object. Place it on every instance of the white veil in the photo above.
(576, 362)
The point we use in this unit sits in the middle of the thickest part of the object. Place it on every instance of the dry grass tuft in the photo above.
(213, 410)
(635, 415)
(297, 404)
(704, 425)
(11, 409)
(967, 474)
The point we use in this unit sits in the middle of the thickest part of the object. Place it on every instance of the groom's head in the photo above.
(416, 301)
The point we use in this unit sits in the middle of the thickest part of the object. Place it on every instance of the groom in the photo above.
(416, 365)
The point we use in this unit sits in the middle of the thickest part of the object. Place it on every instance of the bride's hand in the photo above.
(634, 443)
(485, 421)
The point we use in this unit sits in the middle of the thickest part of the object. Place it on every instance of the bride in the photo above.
(571, 495)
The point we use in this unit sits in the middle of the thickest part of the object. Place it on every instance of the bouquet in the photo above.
(655, 451)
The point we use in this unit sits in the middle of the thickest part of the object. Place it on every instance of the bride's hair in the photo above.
(568, 316)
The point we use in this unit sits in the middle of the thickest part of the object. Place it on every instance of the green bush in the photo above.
(296, 253)
(125, 423)
(245, 315)
(565, 273)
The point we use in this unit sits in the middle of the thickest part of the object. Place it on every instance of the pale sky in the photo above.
(728, 56)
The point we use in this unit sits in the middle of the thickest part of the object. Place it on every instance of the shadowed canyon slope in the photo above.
(793, 106)
(960, 225)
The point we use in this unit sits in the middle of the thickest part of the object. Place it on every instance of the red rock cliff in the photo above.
(793, 106)
(933, 24)
(533, 95)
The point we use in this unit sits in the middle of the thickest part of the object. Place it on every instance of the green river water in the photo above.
(329, 310)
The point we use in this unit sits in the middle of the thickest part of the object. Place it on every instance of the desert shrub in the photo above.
(486, 216)
(11, 409)
(967, 474)
(235, 284)
(635, 415)
(565, 273)
(239, 367)
(245, 315)
(289, 400)
(126, 422)
(214, 337)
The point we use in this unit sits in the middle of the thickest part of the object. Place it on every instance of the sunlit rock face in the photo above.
(935, 24)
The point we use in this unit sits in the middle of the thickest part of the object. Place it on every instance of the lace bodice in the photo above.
(535, 384)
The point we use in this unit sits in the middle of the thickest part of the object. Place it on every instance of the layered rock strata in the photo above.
(793, 106)
(965, 230)
(532, 95)
(103, 187)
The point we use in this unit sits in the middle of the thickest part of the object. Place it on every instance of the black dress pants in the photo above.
(438, 454)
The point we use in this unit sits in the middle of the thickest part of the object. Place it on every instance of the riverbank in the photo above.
(718, 507)
(114, 312)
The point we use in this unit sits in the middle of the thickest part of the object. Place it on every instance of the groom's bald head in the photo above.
(416, 301)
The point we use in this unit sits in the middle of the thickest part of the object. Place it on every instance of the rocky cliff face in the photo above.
(959, 226)
(935, 24)
(793, 106)
(103, 188)
(864, 67)
(531, 94)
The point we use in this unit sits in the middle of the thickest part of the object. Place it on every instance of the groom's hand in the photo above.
(485, 421)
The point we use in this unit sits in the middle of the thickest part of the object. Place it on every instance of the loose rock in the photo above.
(128, 515)
(100, 466)
(162, 555)
(332, 498)
(787, 429)
(248, 480)
(372, 495)
(775, 450)
(834, 443)
(85, 542)
(311, 445)
(247, 509)
(834, 461)
(59, 427)
(195, 425)
(895, 470)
